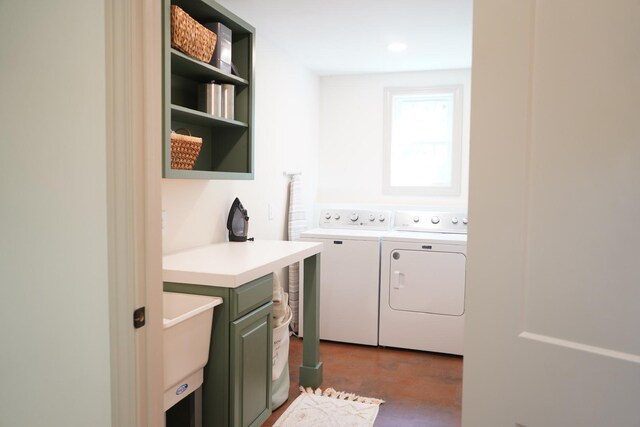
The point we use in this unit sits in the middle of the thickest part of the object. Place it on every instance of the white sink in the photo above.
(187, 334)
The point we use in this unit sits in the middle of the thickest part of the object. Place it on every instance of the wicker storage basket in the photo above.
(188, 36)
(184, 150)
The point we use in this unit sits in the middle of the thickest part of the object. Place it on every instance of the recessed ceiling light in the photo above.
(396, 47)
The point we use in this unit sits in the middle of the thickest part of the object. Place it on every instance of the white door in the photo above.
(553, 291)
(427, 282)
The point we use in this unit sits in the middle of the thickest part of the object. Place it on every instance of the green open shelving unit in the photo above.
(227, 145)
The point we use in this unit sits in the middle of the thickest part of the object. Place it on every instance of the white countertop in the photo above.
(232, 264)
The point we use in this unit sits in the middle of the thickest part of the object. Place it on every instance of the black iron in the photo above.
(238, 222)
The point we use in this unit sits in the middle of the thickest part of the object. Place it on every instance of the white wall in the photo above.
(286, 139)
(351, 138)
(54, 354)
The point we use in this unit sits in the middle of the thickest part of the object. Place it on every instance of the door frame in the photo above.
(133, 130)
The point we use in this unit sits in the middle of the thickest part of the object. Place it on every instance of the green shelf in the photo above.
(197, 70)
(183, 114)
(227, 150)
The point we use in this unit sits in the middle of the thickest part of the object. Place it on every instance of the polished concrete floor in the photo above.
(419, 388)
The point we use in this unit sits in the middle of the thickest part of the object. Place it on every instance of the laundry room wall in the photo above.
(351, 138)
(286, 139)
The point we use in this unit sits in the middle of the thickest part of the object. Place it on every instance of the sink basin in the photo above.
(187, 333)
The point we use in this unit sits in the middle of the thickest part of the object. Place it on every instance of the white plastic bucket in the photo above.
(280, 348)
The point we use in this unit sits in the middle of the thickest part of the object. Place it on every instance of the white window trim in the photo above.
(456, 153)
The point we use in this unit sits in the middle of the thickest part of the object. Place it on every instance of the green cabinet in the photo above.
(251, 361)
(227, 144)
(237, 378)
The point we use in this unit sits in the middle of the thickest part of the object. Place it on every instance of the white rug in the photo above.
(329, 409)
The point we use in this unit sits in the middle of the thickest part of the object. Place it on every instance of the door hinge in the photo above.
(139, 318)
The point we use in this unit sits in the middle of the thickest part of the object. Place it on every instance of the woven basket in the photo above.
(188, 36)
(184, 150)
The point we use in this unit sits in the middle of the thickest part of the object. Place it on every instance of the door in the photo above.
(552, 315)
(251, 363)
(427, 282)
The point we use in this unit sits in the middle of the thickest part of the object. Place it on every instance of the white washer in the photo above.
(422, 282)
(349, 273)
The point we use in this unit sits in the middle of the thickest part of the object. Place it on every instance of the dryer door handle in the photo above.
(398, 279)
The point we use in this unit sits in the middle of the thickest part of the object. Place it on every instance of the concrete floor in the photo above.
(420, 389)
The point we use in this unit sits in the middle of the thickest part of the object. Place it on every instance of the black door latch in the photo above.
(139, 318)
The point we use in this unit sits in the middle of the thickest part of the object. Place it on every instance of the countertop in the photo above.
(232, 264)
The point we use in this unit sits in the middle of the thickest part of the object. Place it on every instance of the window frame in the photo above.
(456, 140)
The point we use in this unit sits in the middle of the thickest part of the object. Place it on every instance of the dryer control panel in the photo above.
(355, 218)
(431, 221)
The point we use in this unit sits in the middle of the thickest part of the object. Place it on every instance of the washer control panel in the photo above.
(430, 221)
(355, 218)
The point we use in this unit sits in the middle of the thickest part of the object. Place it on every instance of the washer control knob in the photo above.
(454, 220)
(354, 217)
(465, 221)
(416, 219)
(372, 217)
(381, 218)
(435, 219)
(336, 217)
(327, 215)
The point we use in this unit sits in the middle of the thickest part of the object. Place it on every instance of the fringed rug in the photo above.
(329, 409)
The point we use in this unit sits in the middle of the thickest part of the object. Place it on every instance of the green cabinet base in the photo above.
(237, 378)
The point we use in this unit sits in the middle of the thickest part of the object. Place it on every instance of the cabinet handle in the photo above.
(337, 242)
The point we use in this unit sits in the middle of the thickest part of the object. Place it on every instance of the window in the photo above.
(423, 140)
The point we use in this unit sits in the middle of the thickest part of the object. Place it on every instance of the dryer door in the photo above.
(427, 282)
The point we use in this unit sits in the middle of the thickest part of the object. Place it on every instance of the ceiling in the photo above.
(333, 37)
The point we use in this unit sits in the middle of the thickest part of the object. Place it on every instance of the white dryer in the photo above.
(422, 282)
(349, 273)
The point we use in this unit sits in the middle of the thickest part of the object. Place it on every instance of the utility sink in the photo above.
(187, 333)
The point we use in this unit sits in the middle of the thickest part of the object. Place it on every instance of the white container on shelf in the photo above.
(210, 99)
(187, 334)
(228, 101)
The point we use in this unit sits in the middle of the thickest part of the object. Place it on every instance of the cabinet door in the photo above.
(251, 360)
